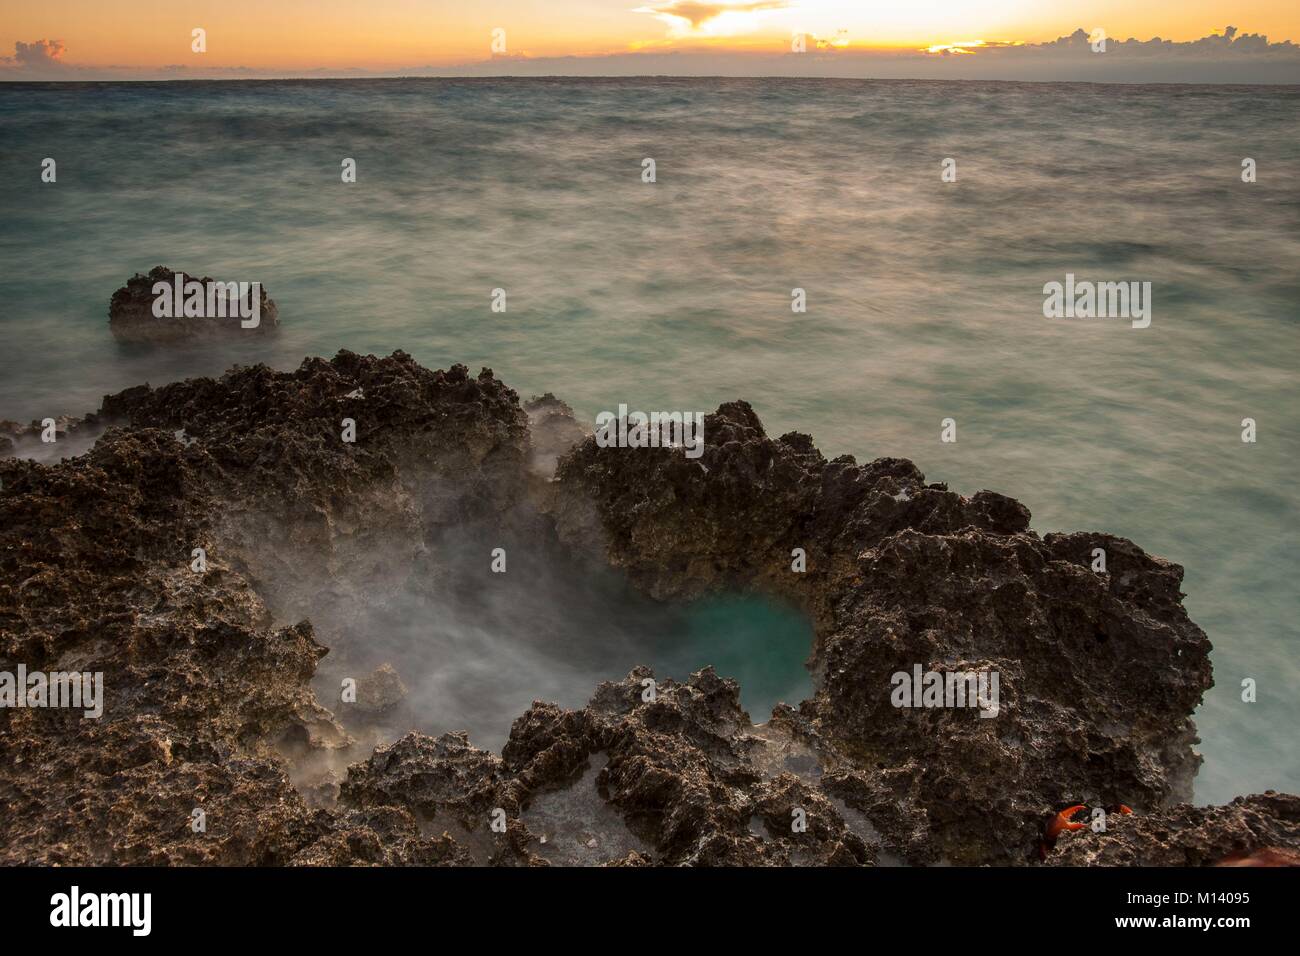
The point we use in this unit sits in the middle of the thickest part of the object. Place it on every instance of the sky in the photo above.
(1210, 40)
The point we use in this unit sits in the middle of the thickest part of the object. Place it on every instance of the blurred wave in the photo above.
(924, 298)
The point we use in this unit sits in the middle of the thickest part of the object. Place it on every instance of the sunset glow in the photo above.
(395, 34)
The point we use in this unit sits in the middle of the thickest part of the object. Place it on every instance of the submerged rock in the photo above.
(220, 310)
(182, 558)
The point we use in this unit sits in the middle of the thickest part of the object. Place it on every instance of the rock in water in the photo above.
(166, 306)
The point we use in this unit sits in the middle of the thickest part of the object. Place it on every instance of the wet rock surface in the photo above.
(222, 537)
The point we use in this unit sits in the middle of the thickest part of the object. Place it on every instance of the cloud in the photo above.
(825, 44)
(1225, 46)
(1230, 57)
(679, 13)
(39, 56)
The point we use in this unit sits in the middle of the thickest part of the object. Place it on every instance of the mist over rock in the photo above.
(221, 671)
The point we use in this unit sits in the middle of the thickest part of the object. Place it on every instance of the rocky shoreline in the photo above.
(208, 674)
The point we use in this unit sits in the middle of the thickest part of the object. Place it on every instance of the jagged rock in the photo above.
(207, 669)
(684, 771)
(384, 836)
(899, 574)
(453, 787)
(131, 315)
(429, 776)
(97, 575)
(1185, 835)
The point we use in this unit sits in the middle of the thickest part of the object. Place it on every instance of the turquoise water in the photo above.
(761, 644)
(548, 631)
(924, 297)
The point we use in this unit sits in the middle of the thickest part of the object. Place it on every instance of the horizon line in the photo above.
(620, 76)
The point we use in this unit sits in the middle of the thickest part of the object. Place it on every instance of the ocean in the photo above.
(924, 297)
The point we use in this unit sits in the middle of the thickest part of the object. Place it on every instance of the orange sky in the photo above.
(385, 33)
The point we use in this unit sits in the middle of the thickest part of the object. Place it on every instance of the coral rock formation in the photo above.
(207, 661)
